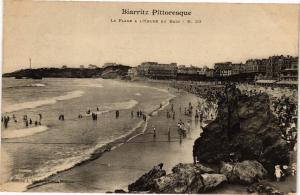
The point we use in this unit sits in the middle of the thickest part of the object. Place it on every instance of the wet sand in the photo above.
(118, 168)
(123, 165)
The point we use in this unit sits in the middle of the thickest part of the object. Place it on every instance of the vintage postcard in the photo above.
(128, 97)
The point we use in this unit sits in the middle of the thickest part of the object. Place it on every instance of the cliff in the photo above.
(118, 71)
(245, 129)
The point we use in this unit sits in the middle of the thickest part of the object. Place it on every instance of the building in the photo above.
(132, 72)
(276, 64)
(91, 66)
(290, 73)
(81, 66)
(223, 69)
(209, 73)
(155, 70)
(237, 68)
(256, 66)
(109, 64)
(192, 70)
(162, 71)
(143, 68)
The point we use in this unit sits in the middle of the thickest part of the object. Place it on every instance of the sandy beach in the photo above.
(124, 164)
(139, 151)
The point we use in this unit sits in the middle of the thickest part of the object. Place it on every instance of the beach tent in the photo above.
(285, 83)
(266, 82)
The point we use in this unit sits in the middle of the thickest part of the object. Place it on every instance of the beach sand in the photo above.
(123, 165)
(118, 168)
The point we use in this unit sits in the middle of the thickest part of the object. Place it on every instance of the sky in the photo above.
(55, 33)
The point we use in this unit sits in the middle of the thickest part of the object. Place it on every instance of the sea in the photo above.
(34, 153)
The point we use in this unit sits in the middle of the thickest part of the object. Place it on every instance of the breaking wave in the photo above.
(17, 133)
(36, 85)
(60, 165)
(38, 103)
(97, 85)
(115, 106)
(28, 85)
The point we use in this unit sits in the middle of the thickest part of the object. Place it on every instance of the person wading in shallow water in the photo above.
(40, 116)
(154, 132)
(61, 117)
(117, 113)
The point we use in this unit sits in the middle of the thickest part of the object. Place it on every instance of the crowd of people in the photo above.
(284, 106)
(26, 120)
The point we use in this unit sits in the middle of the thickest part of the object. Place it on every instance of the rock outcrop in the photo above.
(185, 178)
(146, 182)
(263, 188)
(211, 181)
(244, 129)
(246, 172)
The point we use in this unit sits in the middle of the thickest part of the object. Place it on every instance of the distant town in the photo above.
(282, 70)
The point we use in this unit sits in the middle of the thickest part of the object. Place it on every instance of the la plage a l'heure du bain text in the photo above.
(179, 14)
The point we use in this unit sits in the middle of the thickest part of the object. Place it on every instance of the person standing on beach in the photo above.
(154, 132)
(40, 115)
(5, 121)
(131, 114)
(278, 172)
(26, 123)
(169, 134)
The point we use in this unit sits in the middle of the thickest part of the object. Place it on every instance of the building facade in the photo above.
(276, 64)
(132, 72)
(223, 69)
(237, 68)
(256, 66)
(155, 70)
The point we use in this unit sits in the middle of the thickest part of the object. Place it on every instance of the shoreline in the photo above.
(71, 179)
(142, 138)
(138, 130)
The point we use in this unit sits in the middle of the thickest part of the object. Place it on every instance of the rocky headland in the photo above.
(241, 146)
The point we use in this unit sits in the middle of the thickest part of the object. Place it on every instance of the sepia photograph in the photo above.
(140, 97)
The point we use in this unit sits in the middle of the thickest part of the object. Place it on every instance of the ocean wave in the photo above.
(10, 134)
(36, 85)
(115, 106)
(121, 105)
(44, 174)
(60, 165)
(28, 85)
(38, 103)
(97, 85)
